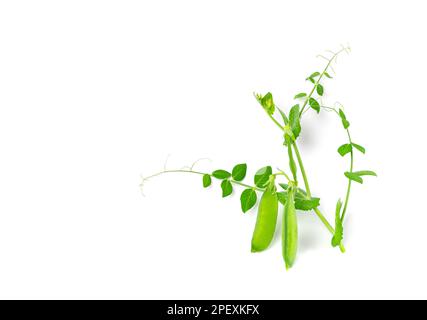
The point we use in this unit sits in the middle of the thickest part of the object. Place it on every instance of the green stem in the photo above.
(282, 173)
(301, 166)
(325, 222)
(201, 173)
(245, 185)
(292, 164)
(347, 197)
(275, 121)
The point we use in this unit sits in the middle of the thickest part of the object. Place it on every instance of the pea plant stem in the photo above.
(282, 173)
(347, 197)
(303, 173)
(275, 121)
(200, 173)
(325, 222)
(245, 185)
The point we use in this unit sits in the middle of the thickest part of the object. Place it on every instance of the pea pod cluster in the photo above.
(288, 190)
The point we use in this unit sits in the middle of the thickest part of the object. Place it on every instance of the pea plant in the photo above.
(282, 188)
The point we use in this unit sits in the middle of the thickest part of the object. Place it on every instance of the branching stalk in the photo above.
(347, 197)
(199, 173)
(320, 78)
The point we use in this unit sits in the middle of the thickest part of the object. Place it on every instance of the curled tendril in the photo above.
(323, 57)
(334, 56)
(338, 104)
(141, 185)
(166, 161)
(165, 170)
(199, 160)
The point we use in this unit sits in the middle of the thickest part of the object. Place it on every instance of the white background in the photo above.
(95, 93)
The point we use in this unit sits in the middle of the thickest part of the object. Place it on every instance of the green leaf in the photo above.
(262, 176)
(301, 203)
(227, 188)
(327, 75)
(314, 104)
(282, 197)
(288, 135)
(301, 193)
(284, 186)
(354, 177)
(345, 123)
(311, 80)
(359, 147)
(248, 199)
(239, 172)
(207, 181)
(300, 95)
(306, 204)
(365, 173)
(314, 75)
(339, 230)
(284, 117)
(267, 103)
(221, 174)
(319, 89)
(344, 149)
(294, 121)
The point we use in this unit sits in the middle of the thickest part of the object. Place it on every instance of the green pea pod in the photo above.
(266, 221)
(289, 230)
